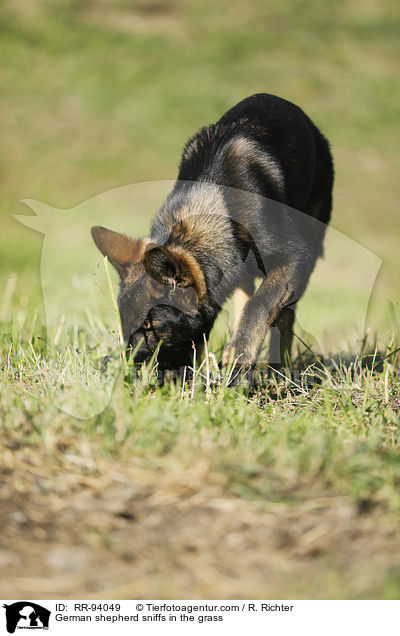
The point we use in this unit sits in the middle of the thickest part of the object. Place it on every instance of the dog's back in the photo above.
(267, 145)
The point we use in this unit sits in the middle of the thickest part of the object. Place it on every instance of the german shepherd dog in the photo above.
(252, 199)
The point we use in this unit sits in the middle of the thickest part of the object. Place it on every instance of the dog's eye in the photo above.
(146, 324)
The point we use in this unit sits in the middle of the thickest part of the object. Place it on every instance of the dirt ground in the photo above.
(70, 529)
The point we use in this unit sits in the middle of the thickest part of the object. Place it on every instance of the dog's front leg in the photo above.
(260, 312)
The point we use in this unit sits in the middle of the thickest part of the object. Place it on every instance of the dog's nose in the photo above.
(142, 352)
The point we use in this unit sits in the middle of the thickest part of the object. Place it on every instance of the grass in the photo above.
(300, 478)
(286, 490)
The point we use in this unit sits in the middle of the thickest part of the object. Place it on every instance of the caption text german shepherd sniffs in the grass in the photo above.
(252, 199)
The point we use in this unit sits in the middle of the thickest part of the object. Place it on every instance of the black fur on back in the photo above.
(286, 134)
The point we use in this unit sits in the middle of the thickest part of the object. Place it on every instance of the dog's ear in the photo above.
(173, 265)
(121, 250)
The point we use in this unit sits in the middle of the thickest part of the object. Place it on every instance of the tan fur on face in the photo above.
(196, 273)
(188, 270)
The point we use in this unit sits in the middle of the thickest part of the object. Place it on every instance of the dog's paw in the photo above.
(235, 355)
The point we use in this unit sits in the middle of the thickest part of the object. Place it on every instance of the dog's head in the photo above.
(162, 296)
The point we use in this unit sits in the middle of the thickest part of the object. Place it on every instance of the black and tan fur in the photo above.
(252, 199)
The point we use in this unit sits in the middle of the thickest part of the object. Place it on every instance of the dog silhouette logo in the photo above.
(26, 615)
(82, 323)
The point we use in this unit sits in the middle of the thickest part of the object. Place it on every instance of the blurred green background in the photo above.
(101, 93)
